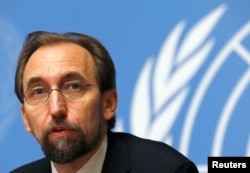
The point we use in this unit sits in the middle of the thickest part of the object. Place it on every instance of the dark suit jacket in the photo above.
(129, 154)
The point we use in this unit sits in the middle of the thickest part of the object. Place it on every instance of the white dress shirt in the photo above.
(94, 165)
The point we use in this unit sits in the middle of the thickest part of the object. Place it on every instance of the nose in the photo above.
(57, 104)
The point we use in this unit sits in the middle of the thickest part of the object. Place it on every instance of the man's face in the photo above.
(61, 124)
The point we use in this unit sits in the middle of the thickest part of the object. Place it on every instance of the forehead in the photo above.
(52, 62)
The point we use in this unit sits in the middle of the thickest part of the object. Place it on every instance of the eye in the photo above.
(73, 85)
(36, 91)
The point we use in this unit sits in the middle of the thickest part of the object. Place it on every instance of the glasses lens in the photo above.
(36, 95)
(73, 90)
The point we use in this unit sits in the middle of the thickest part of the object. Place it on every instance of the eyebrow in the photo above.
(73, 74)
(32, 81)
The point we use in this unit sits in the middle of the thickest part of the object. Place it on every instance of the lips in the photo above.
(59, 131)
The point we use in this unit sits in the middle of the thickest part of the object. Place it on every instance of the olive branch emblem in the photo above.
(164, 82)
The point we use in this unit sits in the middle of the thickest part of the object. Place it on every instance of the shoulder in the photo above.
(146, 146)
(154, 155)
(38, 166)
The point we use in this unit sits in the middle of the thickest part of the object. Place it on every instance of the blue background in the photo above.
(134, 32)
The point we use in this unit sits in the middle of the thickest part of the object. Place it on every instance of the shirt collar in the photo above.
(95, 163)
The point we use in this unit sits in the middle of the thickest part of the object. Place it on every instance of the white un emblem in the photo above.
(192, 96)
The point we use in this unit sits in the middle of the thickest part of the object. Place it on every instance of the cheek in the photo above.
(36, 118)
(88, 116)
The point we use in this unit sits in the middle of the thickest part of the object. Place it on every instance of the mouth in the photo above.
(59, 131)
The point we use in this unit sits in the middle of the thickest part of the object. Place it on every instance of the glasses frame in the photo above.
(58, 90)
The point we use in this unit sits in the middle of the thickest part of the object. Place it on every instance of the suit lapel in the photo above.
(116, 159)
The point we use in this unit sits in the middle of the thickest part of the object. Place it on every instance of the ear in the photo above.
(109, 104)
(25, 119)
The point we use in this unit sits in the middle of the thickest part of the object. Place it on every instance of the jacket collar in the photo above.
(116, 159)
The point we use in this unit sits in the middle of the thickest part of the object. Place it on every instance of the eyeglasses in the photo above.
(70, 90)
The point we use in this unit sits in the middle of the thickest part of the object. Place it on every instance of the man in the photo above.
(66, 84)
